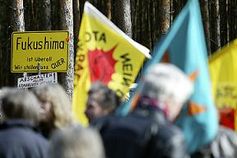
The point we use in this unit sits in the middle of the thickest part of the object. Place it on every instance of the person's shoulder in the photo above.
(102, 122)
(170, 132)
(170, 138)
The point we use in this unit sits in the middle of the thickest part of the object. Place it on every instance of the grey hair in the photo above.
(76, 142)
(108, 98)
(20, 104)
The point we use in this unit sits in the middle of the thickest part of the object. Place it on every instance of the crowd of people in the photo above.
(38, 122)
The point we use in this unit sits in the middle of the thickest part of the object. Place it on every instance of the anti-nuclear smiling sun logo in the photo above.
(102, 64)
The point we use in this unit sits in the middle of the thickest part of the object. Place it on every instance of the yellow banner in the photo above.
(223, 71)
(105, 53)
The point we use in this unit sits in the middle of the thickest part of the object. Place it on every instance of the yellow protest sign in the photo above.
(223, 71)
(47, 51)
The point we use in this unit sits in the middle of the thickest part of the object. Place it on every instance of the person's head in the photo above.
(20, 104)
(76, 142)
(101, 101)
(55, 105)
(4, 92)
(167, 87)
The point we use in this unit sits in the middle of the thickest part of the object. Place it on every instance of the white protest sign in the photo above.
(37, 80)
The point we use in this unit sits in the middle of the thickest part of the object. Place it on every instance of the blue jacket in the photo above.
(18, 139)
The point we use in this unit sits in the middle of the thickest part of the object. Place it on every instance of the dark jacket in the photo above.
(223, 146)
(144, 133)
(18, 139)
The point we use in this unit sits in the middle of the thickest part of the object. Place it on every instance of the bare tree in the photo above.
(205, 17)
(103, 6)
(145, 36)
(77, 21)
(3, 41)
(233, 19)
(17, 23)
(17, 20)
(228, 20)
(55, 14)
(164, 15)
(29, 11)
(43, 14)
(223, 22)
(136, 22)
(109, 9)
(67, 24)
(154, 23)
(121, 15)
(142, 25)
(215, 25)
(177, 6)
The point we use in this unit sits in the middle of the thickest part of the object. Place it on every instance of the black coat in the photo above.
(18, 139)
(144, 133)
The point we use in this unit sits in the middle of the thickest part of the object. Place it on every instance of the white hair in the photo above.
(165, 81)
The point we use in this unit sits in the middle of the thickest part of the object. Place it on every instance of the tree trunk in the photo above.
(3, 41)
(233, 20)
(43, 14)
(136, 22)
(17, 19)
(206, 24)
(228, 20)
(155, 23)
(77, 21)
(223, 22)
(121, 15)
(177, 6)
(104, 6)
(17, 24)
(67, 24)
(55, 14)
(30, 23)
(215, 25)
(164, 9)
(109, 9)
(144, 34)
(149, 16)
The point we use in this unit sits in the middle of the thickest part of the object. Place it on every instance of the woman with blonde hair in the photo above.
(76, 142)
(55, 108)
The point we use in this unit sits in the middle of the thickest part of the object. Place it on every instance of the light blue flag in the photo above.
(184, 45)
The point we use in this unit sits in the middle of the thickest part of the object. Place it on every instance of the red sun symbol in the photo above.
(101, 64)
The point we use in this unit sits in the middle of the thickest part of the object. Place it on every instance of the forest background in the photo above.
(143, 20)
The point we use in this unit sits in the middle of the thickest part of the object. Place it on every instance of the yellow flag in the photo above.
(223, 71)
(106, 54)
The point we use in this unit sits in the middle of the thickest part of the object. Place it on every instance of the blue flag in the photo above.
(184, 46)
